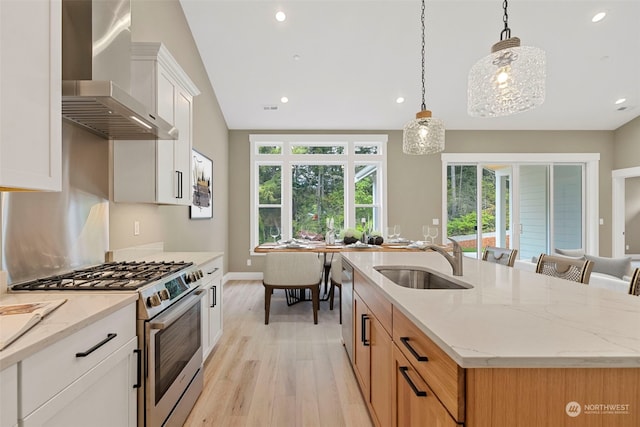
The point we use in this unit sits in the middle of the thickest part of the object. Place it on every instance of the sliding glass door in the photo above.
(549, 200)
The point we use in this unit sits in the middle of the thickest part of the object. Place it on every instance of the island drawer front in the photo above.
(47, 372)
(374, 299)
(443, 375)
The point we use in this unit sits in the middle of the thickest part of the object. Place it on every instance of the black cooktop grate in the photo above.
(111, 276)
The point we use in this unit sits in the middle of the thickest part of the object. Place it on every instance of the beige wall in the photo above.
(627, 145)
(415, 183)
(164, 21)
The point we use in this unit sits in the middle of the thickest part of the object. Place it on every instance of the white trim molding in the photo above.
(618, 208)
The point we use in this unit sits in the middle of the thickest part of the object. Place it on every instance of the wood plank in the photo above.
(288, 373)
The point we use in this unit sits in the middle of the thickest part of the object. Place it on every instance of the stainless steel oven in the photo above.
(172, 342)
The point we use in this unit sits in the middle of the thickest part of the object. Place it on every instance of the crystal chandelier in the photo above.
(510, 80)
(424, 135)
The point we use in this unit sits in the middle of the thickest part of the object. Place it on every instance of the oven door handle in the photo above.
(164, 321)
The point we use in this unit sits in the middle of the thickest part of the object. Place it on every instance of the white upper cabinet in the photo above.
(157, 171)
(30, 95)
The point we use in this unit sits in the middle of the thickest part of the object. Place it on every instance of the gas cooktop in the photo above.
(111, 276)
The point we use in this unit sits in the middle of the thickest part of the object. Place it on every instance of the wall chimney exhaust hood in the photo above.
(107, 110)
(96, 73)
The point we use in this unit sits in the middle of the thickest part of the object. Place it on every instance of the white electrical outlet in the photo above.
(626, 247)
(601, 221)
(136, 228)
(249, 262)
(435, 221)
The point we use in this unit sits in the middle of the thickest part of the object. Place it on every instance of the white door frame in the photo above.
(618, 177)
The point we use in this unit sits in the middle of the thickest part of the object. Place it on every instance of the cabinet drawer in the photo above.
(374, 299)
(212, 268)
(442, 374)
(415, 404)
(50, 370)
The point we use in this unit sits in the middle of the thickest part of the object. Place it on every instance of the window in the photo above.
(300, 182)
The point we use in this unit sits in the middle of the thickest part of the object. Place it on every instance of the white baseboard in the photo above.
(243, 275)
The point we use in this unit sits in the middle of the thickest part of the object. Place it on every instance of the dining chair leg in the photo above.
(332, 290)
(340, 303)
(267, 303)
(315, 297)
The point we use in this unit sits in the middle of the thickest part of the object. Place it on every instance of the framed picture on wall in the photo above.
(201, 187)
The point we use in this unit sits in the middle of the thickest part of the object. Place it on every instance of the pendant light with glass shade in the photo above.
(510, 80)
(425, 134)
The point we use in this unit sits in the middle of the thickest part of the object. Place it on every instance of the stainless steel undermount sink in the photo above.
(418, 278)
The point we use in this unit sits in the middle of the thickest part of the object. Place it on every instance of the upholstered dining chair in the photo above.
(292, 271)
(634, 286)
(336, 282)
(502, 256)
(576, 270)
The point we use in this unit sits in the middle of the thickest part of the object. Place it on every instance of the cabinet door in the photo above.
(361, 347)
(103, 397)
(215, 309)
(182, 149)
(414, 403)
(166, 96)
(9, 396)
(381, 357)
(212, 306)
(30, 95)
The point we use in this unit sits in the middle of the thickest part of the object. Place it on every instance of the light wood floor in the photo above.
(288, 373)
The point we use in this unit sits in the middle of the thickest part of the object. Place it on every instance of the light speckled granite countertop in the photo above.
(513, 318)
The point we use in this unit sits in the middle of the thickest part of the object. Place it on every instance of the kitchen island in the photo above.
(516, 348)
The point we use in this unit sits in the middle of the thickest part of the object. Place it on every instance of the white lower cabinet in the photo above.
(9, 396)
(211, 305)
(104, 396)
(85, 379)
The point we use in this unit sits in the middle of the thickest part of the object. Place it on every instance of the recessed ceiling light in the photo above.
(296, 57)
(280, 16)
(620, 101)
(284, 99)
(399, 100)
(598, 16)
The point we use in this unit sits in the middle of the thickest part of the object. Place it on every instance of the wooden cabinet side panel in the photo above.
(539, 397)
(374, 299)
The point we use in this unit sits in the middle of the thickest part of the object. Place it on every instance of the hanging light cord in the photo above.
(506, 33)
(424, 105)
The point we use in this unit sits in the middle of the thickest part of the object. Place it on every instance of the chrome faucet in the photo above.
(455, 260)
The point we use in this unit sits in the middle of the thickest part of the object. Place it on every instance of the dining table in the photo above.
(329, 251)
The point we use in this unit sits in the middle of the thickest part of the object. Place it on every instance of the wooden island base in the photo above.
(604, 397)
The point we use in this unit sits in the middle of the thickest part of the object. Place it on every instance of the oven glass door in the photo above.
(174, 348)
(174, 355)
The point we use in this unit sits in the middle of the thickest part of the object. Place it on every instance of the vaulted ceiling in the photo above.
(342, 64)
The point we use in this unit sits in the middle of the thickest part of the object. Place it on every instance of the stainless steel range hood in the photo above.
(96, 50)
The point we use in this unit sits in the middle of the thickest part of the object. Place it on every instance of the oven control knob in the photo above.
(154, 300)
(164, 294)
(188, 278)
(199, 274)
